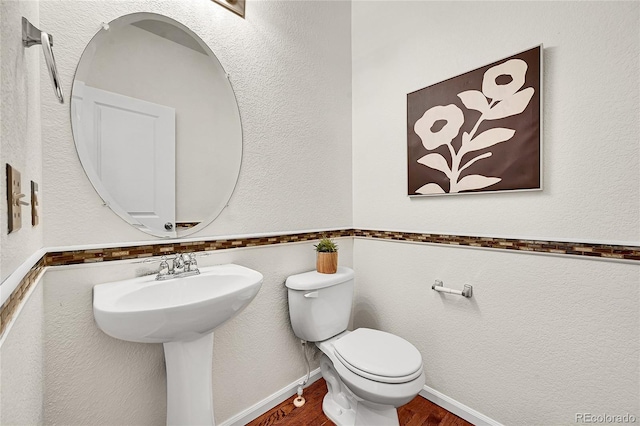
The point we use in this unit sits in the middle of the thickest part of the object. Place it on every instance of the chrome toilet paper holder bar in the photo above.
(466, 292)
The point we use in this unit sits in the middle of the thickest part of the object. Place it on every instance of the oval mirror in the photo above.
(156, 124)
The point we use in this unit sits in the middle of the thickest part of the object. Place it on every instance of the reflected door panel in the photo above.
(132, 148)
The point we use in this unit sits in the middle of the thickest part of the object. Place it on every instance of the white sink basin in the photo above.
(181, 313)
(179, 309)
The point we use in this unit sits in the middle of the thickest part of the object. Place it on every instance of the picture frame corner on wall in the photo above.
(236, 6)
(478, 132)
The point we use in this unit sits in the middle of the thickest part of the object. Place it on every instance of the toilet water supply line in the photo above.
(299, 400)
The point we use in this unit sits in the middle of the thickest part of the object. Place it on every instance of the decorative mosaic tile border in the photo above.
(10, 307)
(59, 258)
(136, 252)
(606, 251)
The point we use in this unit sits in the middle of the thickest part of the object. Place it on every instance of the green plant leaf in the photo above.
(326, 245)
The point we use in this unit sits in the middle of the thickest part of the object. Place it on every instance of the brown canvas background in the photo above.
(516, 161)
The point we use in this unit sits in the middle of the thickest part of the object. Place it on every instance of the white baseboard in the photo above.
(449, 404)
(269, 402)
(457, 408)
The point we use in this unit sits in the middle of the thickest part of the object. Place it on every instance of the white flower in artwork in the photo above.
(495, 101)
(514, 68)
(424, 127)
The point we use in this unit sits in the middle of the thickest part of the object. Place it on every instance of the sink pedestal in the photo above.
(180, 313)
(189, 387)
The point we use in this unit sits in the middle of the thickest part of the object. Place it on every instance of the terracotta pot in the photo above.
(327, 263)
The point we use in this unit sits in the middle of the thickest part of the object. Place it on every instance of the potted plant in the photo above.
(327, 260)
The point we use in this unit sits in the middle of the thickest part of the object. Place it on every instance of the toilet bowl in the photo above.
(369, 373)
(366, 381)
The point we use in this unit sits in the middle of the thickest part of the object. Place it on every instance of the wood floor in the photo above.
(418, 412)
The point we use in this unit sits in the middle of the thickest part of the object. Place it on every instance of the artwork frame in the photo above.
(236, 6)
(480, 131)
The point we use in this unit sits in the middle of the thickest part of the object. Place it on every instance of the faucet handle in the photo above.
(190, 263)
(164, 265)
(163, 269)
(186, 261)
(194, 262)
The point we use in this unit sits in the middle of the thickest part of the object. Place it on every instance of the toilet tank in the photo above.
(320, 304)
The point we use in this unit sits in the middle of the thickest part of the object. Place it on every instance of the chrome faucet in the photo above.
(182, 265)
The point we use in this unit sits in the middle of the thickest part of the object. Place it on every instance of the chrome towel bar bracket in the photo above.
(467, 292)
(31, 36)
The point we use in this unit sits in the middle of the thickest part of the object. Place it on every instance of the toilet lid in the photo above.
(379, 356)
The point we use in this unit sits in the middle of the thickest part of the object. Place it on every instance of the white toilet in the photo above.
(369, 373)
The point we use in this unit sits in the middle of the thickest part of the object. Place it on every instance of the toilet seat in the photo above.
(370, 390)
(378, 356)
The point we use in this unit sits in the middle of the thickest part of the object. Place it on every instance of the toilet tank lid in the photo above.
(314, 280)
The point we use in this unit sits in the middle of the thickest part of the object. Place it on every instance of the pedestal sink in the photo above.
(180, 313)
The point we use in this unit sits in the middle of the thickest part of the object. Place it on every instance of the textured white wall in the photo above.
(20, 145)
(92, 378)
(290, 64)
(20, 141)
(290, 67)
(591, 114)
(21, 372)
(543, 337)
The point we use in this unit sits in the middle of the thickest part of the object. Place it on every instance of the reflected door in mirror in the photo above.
(131, 144)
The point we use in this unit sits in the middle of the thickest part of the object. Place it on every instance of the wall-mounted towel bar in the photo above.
(31, 36)
(467, 292)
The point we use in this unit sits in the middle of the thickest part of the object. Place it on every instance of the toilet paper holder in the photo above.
(466, 292)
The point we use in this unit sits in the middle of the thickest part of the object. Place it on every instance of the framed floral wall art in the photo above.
(479, 131)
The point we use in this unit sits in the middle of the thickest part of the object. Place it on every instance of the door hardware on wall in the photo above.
(14, 199)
